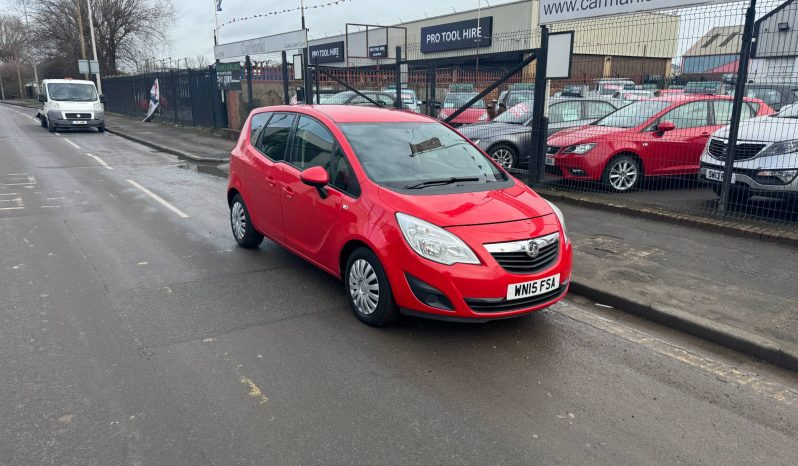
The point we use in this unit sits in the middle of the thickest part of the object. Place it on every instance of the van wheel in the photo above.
(368, 289)
(43, 122)
(50, 127)
(101, 129)
(243, 231)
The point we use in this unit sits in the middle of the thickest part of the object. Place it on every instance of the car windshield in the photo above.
(634, 114)
(516, 97)
(337, 99)
(611, 87)
(517, 114)
(75, 92)
(790, 111)
(457, 100)
(412, 155)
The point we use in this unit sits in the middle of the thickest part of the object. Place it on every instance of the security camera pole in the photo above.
(94, 49)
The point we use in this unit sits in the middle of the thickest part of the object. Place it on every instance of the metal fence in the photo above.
(189, 97)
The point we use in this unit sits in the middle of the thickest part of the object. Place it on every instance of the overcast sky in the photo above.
(193, 30)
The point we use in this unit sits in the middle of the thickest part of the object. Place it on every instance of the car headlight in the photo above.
(560, 217)
(784, 176)
(579, 149)
(779, 148)
(433, 242)
(98, 106)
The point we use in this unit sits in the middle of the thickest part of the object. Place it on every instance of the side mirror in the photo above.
(666, 126)
(102, 98)
(42, 98)
(316, 177)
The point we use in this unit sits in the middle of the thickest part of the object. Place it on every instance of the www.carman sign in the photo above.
(552, 11)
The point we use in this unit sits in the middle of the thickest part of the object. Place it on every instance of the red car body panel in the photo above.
(469, 115)
(676, 152)
(293, 215)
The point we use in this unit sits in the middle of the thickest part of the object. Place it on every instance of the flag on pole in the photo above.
(218, 5)
(155, 99)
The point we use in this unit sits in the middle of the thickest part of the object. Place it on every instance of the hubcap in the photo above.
(238, 220)
(623, 175)
(364, 287)
(503, 157)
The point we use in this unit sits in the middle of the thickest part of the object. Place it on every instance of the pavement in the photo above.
(134, 331)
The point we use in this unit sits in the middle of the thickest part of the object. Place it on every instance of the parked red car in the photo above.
(408, 213)
(656, 137)
(456, 99)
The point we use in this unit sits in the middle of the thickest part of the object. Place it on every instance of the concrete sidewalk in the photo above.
(736, 291)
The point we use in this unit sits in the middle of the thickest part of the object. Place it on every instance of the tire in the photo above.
(101, 129)
(365, 276)
(51, 128)
(244, 233)
(622, 174)
(505, 155)
(43, 122)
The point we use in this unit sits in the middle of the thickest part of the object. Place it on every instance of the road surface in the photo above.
(133, 331)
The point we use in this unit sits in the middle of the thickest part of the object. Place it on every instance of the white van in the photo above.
(71, 103)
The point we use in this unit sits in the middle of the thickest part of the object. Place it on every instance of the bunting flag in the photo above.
(273, 13)
(155, 99)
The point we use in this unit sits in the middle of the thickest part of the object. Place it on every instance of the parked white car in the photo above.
(71, 103)
(766, 159)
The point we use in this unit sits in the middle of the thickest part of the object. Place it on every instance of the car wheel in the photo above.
(368, 289)
(505, 155)
(622, 174)
(51, 128)
(245, 234)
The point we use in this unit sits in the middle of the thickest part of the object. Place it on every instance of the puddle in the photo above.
(214, 169)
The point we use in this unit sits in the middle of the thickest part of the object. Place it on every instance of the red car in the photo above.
(657, 137)
(473, 114)
(409, 214)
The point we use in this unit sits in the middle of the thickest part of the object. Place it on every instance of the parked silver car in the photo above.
(508, 138)
(766, 158)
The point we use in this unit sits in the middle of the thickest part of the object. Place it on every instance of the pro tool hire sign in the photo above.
(331, 52)
(468, 34)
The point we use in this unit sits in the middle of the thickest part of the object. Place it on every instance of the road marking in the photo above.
(718, 369)
(11, 208)
(72, 143)
(254, 390)
(100, 161)
(159, 199)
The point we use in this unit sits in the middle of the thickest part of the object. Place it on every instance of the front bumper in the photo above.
(589, 166)
(476, 293)
(745, 174)
(60, 119)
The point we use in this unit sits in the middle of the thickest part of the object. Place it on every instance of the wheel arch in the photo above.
(627, 153)
(347, 250)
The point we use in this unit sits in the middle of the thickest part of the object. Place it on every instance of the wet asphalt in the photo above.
(131, 334)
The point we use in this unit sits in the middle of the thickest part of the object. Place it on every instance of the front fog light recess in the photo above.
(433, 242)
(784, 176)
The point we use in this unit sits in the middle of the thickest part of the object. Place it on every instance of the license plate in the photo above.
(533, 288)
(550, 161)
(78, 122)
(717, 175)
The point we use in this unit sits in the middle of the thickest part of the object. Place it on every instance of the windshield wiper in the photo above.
(440, 182)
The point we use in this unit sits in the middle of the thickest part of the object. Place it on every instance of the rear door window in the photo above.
(274, 140)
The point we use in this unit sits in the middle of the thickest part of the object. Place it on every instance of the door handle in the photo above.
(704, 135)
(289, 193)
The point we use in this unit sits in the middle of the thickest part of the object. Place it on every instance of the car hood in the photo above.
(469, 115)
(576, 135)
(767, 129)
(492, 130)
(448, 210)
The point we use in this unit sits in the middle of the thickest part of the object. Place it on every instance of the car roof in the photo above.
(354, 113)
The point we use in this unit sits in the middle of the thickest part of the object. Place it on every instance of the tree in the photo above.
(13, 38)
(125, 31)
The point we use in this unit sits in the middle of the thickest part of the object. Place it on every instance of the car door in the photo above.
(309, 218)
(266, 175)
(679, 151)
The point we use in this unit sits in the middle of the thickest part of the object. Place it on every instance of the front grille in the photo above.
(551, 150)
(521, 263)
(717, 149)
(503, 305)
(75, 116)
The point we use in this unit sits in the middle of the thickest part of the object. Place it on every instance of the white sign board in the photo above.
(277, 43)
(298, 67)
(559, 55)
(552, 11)
(88, 66)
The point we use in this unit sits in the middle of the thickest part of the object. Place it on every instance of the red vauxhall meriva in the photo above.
(412, 217)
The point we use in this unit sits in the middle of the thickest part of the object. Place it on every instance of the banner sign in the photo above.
(378, 51)
(552, 11)
(155, 99)
(468, 34)
(331, 52)
(228, 75)
(277, 43)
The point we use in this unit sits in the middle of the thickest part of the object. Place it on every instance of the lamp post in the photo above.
(94, 49)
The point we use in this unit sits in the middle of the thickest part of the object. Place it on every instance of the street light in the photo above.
(94, 48)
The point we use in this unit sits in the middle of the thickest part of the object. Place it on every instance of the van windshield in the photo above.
(75, 92)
